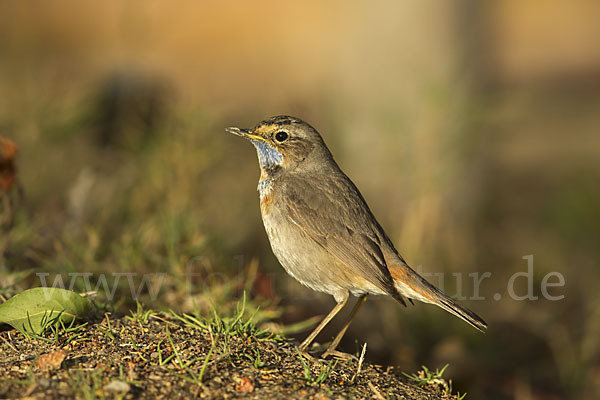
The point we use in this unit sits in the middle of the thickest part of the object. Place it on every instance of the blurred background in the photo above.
(471, 128)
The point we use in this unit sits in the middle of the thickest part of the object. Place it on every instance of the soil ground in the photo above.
(162, 357)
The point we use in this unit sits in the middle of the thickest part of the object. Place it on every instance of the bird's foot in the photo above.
(340, 355)
(304, 353)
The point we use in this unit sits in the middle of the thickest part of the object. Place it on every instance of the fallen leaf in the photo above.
(8, 151)
(35, 309)
(244, 385)
(51, 361)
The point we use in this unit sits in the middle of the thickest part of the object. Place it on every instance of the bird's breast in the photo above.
(266, 193)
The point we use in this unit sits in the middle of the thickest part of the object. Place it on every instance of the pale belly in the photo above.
(308, 262)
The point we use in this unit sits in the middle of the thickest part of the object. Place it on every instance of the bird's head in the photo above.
(287, 143)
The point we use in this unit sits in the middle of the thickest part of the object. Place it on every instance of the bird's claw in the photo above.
(340, 355)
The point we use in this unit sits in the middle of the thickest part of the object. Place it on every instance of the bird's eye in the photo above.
(281, 136)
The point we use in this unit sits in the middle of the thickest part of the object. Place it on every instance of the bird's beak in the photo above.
(244, 133)
(237, 131)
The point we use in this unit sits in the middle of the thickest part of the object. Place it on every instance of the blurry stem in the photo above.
(589, 343)
(565, 354)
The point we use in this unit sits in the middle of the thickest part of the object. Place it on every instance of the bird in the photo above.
(322, 231)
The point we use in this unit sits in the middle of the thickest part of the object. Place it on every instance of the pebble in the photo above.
(117, 386)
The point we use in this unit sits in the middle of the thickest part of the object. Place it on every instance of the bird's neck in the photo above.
(265, 183)
(268, 156)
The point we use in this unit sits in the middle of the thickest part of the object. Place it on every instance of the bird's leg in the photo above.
(331, 349)
(304, 345)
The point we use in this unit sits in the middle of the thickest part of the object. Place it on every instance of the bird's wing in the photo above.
(334, 215)
(332, 212)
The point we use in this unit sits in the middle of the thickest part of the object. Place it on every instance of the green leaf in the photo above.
(36, 309)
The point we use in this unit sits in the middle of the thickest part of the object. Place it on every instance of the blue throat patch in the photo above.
(268, 156)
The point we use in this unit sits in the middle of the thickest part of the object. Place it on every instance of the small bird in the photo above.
(322, 231)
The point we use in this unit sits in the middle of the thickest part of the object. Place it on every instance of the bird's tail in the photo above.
(411, 285)
(449, 304)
